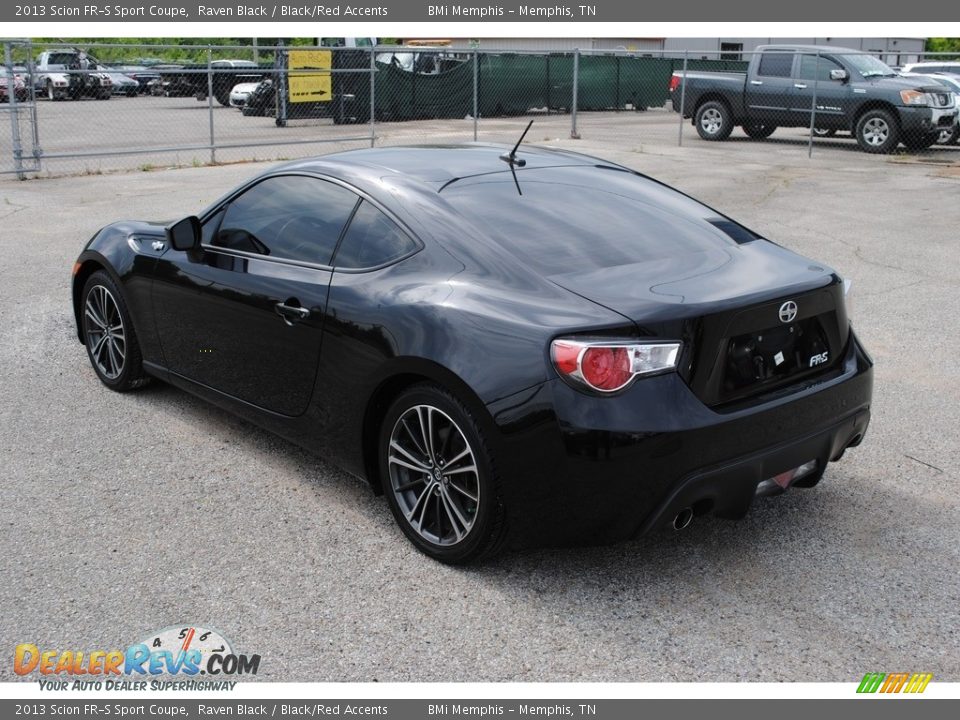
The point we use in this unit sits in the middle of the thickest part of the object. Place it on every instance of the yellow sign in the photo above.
(309, 74)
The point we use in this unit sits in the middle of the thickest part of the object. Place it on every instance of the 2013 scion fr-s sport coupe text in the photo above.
(516, 348)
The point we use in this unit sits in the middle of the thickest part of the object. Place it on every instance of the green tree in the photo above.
(943, 45)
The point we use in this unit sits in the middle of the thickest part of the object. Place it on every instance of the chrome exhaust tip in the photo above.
(683, 518)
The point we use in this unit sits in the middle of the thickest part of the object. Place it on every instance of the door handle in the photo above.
(291, 313)
(756, 82)
(800, 86)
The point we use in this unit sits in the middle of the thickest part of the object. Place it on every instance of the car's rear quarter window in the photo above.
(585, 218)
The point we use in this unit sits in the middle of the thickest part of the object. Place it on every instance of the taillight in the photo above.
(609, 366)
(674, 82)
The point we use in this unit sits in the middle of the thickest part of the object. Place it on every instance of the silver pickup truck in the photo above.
(826, 88)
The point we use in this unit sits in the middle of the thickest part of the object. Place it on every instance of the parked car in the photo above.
(516, 347)
(855, 92)
(240, 93)
(141, 73)
(952, 136)
(122, 84)
(168, 81)
(933, 66)
(21, 91)
(192, 79)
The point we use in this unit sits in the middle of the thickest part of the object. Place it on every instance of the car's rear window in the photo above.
(586, 218)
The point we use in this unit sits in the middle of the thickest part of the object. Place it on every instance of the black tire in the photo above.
(824, 132)
(104, 95)
(714, 121)
(877, 131)
(949, 137)
(920, 141)
(759, 131)
(128, 373)
(442, 534)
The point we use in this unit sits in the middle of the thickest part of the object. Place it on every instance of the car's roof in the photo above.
(436, 165)
(821, 48)
(927, 63)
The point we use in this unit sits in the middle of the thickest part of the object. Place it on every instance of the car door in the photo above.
(245, 314)
(770, 89)
(833, 97)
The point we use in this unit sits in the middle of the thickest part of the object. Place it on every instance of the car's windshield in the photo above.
(868, 66)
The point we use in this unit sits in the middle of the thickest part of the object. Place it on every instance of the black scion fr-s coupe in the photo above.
(517, 348)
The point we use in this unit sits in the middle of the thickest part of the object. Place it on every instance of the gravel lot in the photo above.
(124, 514)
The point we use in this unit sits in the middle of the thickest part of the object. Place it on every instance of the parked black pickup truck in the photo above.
(850, 91)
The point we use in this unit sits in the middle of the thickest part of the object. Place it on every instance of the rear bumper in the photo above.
(578, 469)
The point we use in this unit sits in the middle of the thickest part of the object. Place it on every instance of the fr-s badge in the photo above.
(819, 359)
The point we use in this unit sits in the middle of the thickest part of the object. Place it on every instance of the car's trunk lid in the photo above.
(753, 317)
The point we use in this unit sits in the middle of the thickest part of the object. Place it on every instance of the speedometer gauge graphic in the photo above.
(178, 640)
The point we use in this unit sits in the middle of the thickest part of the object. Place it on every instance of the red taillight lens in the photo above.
(674, 82)
(606, 368)
(566, 357)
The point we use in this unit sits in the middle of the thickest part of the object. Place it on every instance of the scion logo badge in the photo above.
(788, 311)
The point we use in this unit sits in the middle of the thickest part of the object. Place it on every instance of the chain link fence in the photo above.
(98, 108)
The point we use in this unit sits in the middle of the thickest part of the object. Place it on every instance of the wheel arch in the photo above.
(869, 105)
(403, 374)
(711, 96)
(89, 263)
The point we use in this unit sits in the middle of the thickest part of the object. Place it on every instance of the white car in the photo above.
(933, 66)
(947, 137)
(240, 93)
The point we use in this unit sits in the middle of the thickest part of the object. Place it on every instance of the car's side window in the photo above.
(811, 69)
(776, 64)
(372, 240)
(210, 226)
(291, 217)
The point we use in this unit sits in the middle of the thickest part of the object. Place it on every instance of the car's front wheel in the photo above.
(108, 334)
(877, 131)
(439, 478)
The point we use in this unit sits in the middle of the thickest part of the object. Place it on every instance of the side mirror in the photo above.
(184, 234)
(841, 75)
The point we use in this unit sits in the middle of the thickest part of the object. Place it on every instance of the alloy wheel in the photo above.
(711, 121)
(876, 131)
(105, 332)
(433, 475)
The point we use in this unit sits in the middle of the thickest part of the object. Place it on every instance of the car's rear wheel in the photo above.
(714, 121)
(109, 336)
(438, 476)
(759, 131)
(878, 131)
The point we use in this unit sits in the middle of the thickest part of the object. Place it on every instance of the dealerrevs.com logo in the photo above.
(185, 651)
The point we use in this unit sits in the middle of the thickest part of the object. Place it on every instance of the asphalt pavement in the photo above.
(124, 514)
